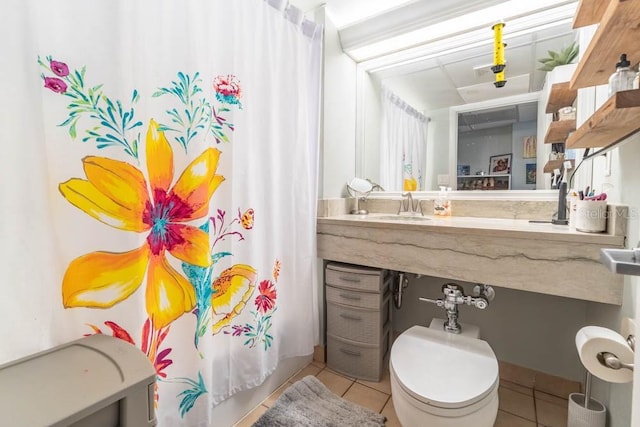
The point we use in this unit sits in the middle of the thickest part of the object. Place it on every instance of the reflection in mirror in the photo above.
(497, 148)
(403, 144)
(453, 73)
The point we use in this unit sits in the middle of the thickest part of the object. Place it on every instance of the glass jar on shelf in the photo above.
(623, 78)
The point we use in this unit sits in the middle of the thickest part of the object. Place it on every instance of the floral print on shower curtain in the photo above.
(169, 208)
(166, 157)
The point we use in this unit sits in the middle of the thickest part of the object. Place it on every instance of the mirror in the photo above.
(454, 83)
(495, 144)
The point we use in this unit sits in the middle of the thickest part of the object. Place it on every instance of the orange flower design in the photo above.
(117, 194)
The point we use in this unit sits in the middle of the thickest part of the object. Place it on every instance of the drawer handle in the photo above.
(347, 316)
(350, 279)
(350, 352)
(351, 297)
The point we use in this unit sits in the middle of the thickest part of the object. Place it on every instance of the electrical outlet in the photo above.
(443, 179)
(627, 327)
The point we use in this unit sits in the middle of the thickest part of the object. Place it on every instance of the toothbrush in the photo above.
(555, 179)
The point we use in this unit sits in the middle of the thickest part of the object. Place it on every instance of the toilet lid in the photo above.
(443, 369)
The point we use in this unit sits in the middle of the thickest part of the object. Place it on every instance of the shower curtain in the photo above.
(159, 185)
(403, 144)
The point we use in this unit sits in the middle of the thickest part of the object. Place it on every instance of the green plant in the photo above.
(565, 56)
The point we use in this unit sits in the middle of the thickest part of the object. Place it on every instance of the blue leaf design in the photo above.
(219, 255)
(191, 395)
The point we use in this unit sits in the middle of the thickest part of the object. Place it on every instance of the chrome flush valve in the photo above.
(454, 296)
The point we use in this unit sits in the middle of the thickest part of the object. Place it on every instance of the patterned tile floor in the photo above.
(527, 398)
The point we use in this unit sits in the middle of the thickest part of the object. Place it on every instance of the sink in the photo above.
(400, 218)
(621, 261)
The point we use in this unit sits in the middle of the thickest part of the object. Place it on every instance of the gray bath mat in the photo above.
(308, 403)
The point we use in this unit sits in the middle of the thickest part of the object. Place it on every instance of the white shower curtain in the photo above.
(403, 144)
(159, 185)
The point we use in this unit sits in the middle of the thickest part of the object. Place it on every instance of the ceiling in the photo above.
(458, 76)
(465, 77)
(347, 12)
(495, 117)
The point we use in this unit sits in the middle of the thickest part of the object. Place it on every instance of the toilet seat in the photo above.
(443, 370)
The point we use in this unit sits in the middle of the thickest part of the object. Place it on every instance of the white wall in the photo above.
(371, 101)
(476, 147)
(623, 182)
(521, 130)
(437, 147)
(338, 146)
(619, 175)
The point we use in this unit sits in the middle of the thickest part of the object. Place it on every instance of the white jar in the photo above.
(591, 216)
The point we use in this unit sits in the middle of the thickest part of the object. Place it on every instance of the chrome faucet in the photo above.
(408, 205)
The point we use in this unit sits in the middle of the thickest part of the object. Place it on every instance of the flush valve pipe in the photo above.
(454, 296)
(398, 287)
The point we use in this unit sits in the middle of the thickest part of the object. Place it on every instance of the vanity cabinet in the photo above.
(358, 319)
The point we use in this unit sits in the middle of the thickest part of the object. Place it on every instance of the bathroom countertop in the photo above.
(512, 253)
(494, 227)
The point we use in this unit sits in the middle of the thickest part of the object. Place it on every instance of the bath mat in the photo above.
(308, 403)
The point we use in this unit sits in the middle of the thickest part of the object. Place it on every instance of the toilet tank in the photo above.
(96, 381)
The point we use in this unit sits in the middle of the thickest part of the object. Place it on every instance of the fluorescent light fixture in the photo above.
(347, 13)
(484, 91)
(519, 16)
(473, 39)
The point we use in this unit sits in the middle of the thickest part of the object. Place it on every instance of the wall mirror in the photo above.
(493, 144)
(449, 81)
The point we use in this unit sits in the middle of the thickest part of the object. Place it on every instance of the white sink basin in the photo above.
(621, 261)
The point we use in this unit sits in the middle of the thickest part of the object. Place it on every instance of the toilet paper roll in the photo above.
(592, 340)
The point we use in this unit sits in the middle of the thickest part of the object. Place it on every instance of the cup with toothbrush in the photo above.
(591, 212)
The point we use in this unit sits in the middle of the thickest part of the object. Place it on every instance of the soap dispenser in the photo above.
(442, 204)
(622, 79)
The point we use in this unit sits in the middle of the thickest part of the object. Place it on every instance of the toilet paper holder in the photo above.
(612, 361)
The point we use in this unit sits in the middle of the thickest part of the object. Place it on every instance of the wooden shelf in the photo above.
(495, 175)
(617, 119)
(560, 96)
(556, 164)
(559, 130)
(483, 182)
(618, 32)
(589, 12)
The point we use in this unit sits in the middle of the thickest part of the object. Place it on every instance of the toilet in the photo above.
(440, 379)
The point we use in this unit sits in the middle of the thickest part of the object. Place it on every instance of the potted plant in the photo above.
(564, 57)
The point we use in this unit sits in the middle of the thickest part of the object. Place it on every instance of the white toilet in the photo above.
(440, 379)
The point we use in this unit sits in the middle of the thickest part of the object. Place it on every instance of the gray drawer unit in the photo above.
(355, 277)
(358, 324)
(353, 298)
(354, 359)
(358, 319)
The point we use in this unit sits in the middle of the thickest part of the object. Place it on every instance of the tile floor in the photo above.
(527, 398)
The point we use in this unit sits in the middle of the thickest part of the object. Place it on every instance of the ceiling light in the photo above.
(519, 15)
(558, 17)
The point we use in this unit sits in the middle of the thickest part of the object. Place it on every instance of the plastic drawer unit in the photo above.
(358, 320)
